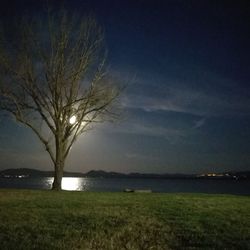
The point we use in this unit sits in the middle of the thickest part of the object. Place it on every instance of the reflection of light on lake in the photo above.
(69, 183)
(48, 182)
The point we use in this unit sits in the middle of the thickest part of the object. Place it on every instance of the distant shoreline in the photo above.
(28, 172)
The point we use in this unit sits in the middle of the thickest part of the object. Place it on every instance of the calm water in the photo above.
(117, 185)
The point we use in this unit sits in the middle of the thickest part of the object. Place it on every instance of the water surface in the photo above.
(119, 184)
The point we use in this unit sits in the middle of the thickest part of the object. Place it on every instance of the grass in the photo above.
(88, 220)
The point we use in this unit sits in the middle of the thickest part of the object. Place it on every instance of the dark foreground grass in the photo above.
(82, 220)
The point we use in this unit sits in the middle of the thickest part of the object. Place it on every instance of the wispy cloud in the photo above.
(172, 135)
(190, 101)
(199, 123)
(196, 92)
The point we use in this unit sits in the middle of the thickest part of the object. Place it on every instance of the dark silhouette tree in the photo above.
(53, 80)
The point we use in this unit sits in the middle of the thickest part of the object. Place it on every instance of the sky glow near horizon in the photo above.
(187, 104)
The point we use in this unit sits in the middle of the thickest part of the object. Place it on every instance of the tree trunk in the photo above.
(59, 161)
(57, 183)
(59, 165)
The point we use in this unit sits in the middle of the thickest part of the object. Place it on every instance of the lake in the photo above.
(119, 184)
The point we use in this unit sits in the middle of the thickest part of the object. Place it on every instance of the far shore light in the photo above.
(72, 119)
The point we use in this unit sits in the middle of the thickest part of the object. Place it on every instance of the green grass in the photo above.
(85, 220)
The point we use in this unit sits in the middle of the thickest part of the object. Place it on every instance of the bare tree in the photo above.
(55, 75)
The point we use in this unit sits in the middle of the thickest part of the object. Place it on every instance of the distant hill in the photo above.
(226, 175)
(104, 174)
(27, 172)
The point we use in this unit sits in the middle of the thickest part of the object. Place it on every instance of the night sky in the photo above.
(186, 107)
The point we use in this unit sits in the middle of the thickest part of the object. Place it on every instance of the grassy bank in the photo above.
(81, 220)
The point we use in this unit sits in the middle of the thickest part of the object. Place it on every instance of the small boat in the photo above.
(128, 190)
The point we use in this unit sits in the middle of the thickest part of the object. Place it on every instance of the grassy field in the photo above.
(82, 220)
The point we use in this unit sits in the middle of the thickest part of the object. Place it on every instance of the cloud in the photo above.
(170, 134)
(199, 123)
(188, 89)
(192, 101)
